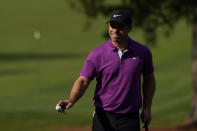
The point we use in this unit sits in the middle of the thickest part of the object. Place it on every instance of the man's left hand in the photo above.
(146, 116)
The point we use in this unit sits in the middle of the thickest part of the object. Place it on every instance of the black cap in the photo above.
(121, 16)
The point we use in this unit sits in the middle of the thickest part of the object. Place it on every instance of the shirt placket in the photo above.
(121, 54)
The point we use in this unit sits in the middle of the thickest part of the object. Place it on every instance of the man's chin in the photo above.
(115, 39)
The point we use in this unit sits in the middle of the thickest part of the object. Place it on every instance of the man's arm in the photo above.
(77, 91)
(148, 89)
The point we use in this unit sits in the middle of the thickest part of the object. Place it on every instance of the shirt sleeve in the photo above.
(89, 67)
(148, 63)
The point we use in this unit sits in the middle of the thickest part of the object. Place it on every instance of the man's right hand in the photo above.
(65, 104)
(77, 91)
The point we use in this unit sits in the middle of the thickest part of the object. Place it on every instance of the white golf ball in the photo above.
(36, 34)
(58, 108)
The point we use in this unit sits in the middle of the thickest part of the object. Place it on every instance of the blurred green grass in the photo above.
(36, 74)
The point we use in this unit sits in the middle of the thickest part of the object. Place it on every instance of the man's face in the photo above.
(118, 32)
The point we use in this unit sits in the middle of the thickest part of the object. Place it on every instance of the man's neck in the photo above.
(123, 44)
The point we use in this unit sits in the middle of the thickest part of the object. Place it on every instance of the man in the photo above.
(117, 65)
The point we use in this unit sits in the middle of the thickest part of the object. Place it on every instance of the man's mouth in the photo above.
(116, 35)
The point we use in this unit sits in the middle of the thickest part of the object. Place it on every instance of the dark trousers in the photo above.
(109, 121)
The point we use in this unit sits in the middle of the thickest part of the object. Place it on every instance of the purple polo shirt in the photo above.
(118, 87)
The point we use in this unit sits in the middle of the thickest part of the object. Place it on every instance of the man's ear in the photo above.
(130, 29)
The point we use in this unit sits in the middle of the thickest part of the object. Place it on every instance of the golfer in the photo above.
(117, 65)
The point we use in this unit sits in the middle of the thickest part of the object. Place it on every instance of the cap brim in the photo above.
(107, 22)
(115, 21)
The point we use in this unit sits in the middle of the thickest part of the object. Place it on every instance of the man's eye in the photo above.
(113, 25)
(117, 26)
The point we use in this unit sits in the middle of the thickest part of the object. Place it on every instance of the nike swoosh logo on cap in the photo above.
(116, 15)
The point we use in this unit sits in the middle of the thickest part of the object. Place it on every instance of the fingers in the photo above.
(145, 125)
(146, 117)
(69, 105)
(65, 104)
(63, 112)
(62, 103)
(61, 108)
(142, 116)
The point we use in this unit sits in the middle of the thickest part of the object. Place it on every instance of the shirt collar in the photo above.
(113, 48)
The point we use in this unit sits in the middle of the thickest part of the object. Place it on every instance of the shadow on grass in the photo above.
(31, 56)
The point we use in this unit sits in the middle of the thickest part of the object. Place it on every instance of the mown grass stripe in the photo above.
(170, 104)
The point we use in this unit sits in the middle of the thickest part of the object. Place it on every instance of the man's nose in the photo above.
(116, 30)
